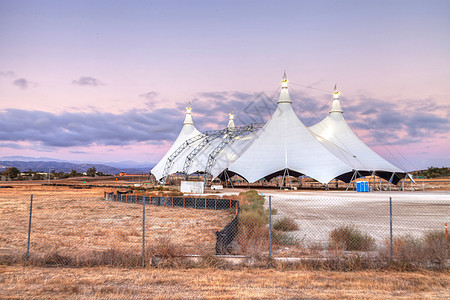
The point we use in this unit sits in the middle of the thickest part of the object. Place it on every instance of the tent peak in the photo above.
(284, 82)
(336, 105)
(284, 95)
(231, 120)
(188, 119)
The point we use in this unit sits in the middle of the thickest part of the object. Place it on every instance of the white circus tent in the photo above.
(334, 130)
(283, 146)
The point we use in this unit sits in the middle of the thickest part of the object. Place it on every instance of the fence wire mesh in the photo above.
(73, 230)
(331, 225)
(109, 228)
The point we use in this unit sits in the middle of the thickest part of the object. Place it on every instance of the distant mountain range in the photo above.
(43, 164)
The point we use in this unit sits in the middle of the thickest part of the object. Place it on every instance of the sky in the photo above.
(109, 80)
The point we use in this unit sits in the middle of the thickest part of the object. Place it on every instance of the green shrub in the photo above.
(350, 238)
(251, 219)
(285, 224)
(252, 201)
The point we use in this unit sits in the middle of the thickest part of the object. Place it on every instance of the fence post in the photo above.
(390, 227)
(446, 231)
(29, 227)
(143, 231)
(270, 227)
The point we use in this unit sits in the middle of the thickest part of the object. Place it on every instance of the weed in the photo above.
(409, 251)
(274, 211)
(436, 246)
(285, 224)
(350, 238)
(164, 247)
(284, 239)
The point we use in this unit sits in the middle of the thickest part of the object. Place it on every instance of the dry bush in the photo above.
(164, 247)
(274, 211)
(436, 246)
(285, 224)
(411, 252)
(407, 251)
(110, 257)
(350, 238)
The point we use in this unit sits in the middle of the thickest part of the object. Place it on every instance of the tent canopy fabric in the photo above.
(334, 132)
(286, 143)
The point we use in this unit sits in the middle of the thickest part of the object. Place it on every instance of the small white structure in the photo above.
(217, 187)
(192, 187)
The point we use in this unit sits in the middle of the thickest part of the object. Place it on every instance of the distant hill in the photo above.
(67, 167)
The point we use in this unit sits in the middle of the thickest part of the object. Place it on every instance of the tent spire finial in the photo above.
(336, 92)
(284, 95)
(284, 81)
(231, 120)
(188, 118)
(336, 106)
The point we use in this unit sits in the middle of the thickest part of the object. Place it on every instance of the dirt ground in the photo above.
(317, 214)
(21, 282)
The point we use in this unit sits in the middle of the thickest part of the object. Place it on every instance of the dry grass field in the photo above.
(76, 222)
(19, 282)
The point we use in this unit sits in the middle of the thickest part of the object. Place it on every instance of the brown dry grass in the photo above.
(73, 223)
(122, 283)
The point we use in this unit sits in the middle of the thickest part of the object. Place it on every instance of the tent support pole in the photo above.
(390, 180)
(403, 183)
(373, 181)
(350, 182)
(228, 179)
(282, 179)
(289, 177)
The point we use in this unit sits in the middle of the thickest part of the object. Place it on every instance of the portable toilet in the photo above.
(358, 186)
(365, 186)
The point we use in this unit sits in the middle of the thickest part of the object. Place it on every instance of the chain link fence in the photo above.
(117, 229)
(128, 229)
(376, 226)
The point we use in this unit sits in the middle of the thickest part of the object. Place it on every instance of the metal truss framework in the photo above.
(228, 133)
(177, 152)
(227, 140)
(205, 142)
(211, 134)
